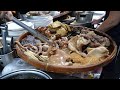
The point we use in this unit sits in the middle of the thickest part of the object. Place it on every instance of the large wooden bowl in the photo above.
(68, 69)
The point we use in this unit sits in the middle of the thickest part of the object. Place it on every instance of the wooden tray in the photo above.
(68, 69)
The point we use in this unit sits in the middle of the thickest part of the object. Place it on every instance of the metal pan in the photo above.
(26, 74)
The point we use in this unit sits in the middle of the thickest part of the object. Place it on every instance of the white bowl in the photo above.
(40, 21)
(16, 30)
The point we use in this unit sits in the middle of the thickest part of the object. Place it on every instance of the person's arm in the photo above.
(112, 20)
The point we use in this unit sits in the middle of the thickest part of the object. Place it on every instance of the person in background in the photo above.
(111, 26)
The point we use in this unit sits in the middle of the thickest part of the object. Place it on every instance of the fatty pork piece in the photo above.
(76, 43)
(59, 58)
(90, 35)
(98, 52)
(96, 40)
(96, 55)
(81, 42)
(104, 41)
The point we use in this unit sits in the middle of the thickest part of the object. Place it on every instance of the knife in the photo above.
(32, 31)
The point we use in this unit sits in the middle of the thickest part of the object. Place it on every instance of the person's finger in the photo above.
(95, 22)
(2, 14)
(6, 14)
(13, 12)
(9, 15)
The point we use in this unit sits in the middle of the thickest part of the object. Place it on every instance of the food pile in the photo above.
(55, 29)
(85, 48)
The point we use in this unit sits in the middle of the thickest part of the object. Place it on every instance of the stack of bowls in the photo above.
(15, 30)
(40, 21)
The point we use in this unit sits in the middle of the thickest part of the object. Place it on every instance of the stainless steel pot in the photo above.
(84, 17)
(6, 58)
(26, 74)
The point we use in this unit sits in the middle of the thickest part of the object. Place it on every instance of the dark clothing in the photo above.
(112, 70)
(114, 32)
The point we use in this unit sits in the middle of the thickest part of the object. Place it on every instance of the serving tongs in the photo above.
(32, 31)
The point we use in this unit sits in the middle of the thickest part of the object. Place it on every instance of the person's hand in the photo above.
(6, 14)
(96, 21)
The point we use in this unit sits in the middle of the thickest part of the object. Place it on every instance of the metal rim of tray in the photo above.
(26, 71)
